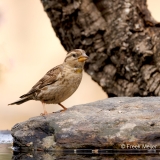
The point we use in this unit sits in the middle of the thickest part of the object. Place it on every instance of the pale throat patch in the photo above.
(78, 70)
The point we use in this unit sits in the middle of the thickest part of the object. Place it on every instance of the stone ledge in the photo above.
(104, 124)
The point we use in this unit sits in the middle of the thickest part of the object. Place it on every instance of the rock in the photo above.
(115, 123)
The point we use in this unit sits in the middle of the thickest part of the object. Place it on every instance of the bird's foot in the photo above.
(63, 110)
(60, 111)
(44, 114)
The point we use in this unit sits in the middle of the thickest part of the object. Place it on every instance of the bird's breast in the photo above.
(63, 88)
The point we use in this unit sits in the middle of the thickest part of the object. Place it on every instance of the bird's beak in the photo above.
(82, 58)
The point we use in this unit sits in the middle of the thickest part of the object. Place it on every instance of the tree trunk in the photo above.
(120, 37)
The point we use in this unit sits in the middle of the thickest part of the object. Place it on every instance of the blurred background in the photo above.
(28, 49)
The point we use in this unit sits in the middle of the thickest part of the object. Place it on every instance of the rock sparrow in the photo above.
(59, 83)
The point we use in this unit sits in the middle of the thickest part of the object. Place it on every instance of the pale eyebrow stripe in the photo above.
(67, 57)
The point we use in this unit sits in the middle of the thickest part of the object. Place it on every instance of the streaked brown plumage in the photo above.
(59, 83)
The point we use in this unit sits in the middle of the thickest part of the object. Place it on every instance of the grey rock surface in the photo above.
(116, 123)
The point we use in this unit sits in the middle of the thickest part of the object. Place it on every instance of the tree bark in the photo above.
(120, 37)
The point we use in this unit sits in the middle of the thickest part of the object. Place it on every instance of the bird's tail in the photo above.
(21, 101)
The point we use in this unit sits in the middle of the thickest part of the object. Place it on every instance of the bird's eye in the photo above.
(74, 55)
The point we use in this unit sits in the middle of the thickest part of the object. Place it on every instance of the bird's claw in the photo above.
(63, 110)
(60, 111)
(44, 114)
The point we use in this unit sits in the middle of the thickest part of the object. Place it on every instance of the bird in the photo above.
(59, 83)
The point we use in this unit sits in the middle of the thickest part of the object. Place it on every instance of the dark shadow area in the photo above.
(88, 154)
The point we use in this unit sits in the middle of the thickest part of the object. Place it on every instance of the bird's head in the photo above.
(76, 58)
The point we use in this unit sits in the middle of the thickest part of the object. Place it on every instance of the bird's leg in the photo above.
(44, 109)
(64, 108)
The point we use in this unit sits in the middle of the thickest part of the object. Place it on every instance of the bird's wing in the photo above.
(49, 78)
